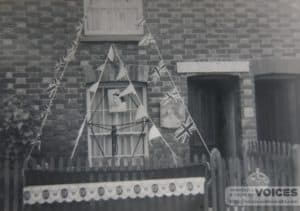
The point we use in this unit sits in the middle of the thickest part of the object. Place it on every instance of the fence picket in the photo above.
(6, 184)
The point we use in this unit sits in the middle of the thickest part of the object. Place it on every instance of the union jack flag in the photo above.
(158, 70)
(184, 132)
(147, 40)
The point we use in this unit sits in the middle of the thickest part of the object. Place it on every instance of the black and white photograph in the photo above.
(149, 105)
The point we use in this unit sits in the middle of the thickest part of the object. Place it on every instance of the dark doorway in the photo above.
(277, 106)
(214, 104)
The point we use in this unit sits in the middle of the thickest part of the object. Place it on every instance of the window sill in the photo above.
(103, 38)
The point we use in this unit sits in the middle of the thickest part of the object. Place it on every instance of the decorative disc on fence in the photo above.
(113, 190)
(258, 178)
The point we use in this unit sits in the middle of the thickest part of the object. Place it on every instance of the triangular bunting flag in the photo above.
(129, 90)
(154, 133)
(51, 88)
(111, 54)
(141, 113)
(147, 40)
(185, 130)
(141, 22)
(59, 65)
(162, 66)
(94, 87)
(157, 71)
(100, 68)
(122, 72)
(174, 95)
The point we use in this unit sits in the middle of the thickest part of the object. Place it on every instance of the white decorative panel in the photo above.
(113, 17)
(212, 67)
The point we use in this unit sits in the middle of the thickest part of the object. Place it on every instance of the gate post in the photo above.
(218, 181)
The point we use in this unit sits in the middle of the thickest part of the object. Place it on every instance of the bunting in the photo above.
(111, 54)
(100, 68)
(60, 64)
(157, 71)
(162, 66)
(154, 133)
(141, 22)
(122, 72)
(141, 113)
(128, 90)
(147, 40)
(94, 87)
(185, 130)
(116, 95)
(52, 87)
(173, 95)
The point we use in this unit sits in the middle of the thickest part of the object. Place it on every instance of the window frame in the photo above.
(98, 36)
(117, 85)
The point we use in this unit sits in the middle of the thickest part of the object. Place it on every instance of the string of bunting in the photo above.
(189, 126)
(154, 133)
(59, 70)
(141, 113)
(94, 89)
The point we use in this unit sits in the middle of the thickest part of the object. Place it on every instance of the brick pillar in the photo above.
(248, 112)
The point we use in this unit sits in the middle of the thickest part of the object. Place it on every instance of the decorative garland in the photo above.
(59, 69)
(129, 90)
(182, 133)
(187, 128)
(113, 190)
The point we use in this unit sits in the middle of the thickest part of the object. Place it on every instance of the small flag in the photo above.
(59, 65)
(185, 130)
(51, 88)
(129, 90)
(111, 54)
(94, 87)
(79, 27)
(162, 66)
(100, 68)
(156, 71)
(147, 40)
(155, 74)
(141, 113)
(154, 133)
(173, 95)
(122, 72)
(141, 22)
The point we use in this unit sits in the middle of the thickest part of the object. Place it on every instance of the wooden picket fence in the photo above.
(11, 184)
(272, 158)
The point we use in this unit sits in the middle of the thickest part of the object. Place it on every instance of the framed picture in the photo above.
(172, 113)
(115, 103)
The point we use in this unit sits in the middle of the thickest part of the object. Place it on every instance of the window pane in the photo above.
(128, 131)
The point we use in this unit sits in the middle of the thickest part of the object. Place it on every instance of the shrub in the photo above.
(19, 122)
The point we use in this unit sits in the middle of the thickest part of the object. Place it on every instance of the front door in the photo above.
(214, 105)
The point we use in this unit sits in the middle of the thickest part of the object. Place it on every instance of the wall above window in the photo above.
(112, 20)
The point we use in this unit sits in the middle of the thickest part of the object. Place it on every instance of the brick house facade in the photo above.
(34, 35)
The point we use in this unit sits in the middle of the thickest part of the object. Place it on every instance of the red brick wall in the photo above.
(34, 34)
